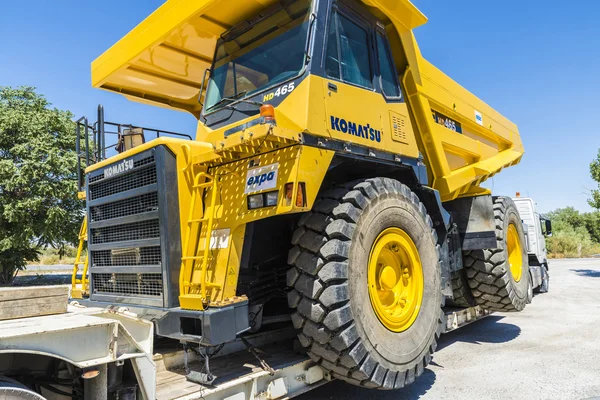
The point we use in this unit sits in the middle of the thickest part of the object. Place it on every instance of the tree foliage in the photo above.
(575, 234)
(595, 172)
(38, 189)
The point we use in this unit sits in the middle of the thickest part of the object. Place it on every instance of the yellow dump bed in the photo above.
(479, 143)
(163, 61)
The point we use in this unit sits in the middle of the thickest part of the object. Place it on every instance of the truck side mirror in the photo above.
(548, 227)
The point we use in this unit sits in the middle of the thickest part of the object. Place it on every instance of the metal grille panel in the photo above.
(127, 257)
(123, 183)
(128, 229)
(123, 208)
(148, 285)
(136, 164)
(120, 233)
(143, 161)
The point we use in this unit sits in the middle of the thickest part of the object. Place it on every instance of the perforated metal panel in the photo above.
(130, 221)
(399, 127)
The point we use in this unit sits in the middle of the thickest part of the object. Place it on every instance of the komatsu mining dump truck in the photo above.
(334, 181)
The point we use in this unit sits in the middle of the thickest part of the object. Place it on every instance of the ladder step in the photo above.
(192, 221)
(207, 284)
(195, 258)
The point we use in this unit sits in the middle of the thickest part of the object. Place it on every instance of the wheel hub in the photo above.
(515, 253)
(395, 279)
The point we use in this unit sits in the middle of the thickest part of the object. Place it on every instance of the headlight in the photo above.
(263, 200)
(271, 199)
(255, 201)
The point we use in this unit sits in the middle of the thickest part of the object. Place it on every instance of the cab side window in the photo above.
(389, 81)
(347, 56)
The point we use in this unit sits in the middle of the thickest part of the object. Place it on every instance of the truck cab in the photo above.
(538, 227)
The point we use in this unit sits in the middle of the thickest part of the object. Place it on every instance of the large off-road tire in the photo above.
(496, 285)
(334, 315)
(461, 291)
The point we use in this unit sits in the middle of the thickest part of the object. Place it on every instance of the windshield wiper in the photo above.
(234, 98)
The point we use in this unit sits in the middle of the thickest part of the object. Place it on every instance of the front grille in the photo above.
(123, 182)
(128, 284)
(136, 205)
(122, 233)
(126, 264)
(128, 257)
(136, 164)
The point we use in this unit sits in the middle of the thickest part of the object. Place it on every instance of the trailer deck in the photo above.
(240, 375)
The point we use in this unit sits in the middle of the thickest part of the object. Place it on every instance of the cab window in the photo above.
(389, 81)
(347, 55)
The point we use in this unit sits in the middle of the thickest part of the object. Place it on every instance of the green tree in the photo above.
(569, 215)
(592, 224)
(38, 189)
(595, 172)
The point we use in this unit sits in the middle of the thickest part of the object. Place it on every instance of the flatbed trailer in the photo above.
(93, 339)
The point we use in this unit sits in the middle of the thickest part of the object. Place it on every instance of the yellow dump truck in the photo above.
(334, 181)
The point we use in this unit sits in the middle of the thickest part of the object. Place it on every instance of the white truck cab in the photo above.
(537, 227)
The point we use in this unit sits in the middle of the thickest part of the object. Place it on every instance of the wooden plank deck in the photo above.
(23, 302)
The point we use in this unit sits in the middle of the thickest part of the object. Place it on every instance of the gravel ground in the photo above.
(551, 350)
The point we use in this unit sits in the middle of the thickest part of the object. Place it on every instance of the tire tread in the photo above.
(320, 293)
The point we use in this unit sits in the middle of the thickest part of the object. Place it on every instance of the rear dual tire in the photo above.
(344, 326)
(499, 278)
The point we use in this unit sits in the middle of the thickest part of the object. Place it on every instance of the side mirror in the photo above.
(548, 227)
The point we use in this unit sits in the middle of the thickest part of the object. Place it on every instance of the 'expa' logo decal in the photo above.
(261, 178)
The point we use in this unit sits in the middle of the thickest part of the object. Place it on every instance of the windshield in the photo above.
(271, 51)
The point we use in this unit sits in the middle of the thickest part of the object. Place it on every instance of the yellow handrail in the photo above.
(197, 190)
(79, 293)
(211, 217)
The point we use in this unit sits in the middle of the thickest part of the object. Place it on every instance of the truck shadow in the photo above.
(488, 330)
(591, 273)
(342, 390)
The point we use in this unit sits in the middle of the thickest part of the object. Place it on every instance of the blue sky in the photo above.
(537, 62)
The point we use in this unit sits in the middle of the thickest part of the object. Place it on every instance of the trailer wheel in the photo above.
(11, 389)
(366, 284)
(461, 291)
(499, 278)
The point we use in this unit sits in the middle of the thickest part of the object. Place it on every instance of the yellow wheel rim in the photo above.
(515, 253)
(395, 279)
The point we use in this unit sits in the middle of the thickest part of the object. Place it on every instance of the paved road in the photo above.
(551, 350)
(45, 268)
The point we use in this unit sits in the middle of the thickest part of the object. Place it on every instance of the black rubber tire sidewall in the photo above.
(392, 349)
